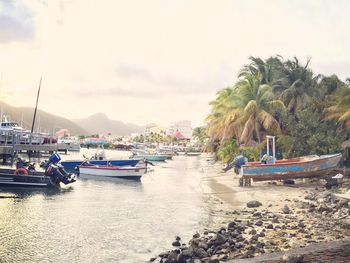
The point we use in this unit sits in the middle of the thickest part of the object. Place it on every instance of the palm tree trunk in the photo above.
(256, 128)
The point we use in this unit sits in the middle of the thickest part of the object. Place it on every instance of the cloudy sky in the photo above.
(156, 61)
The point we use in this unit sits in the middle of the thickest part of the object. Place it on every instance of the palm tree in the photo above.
(259, 108)
(297, 86)
(340, 111)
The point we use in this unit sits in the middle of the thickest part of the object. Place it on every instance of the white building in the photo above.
(184, 127)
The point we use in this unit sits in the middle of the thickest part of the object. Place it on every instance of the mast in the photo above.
(36, 105)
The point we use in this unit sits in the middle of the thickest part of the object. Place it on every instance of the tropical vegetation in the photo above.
(309, 113)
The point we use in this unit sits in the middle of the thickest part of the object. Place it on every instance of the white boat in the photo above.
(72, 143)
(126, 172)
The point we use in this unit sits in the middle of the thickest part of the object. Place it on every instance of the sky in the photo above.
(156, 61)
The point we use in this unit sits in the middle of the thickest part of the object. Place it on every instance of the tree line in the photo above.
(309, 113)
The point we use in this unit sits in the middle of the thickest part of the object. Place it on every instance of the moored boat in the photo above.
(23, 176)
(125, 172)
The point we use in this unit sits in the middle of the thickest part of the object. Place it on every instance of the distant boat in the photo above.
(271, 169)
(192, 153)
(72, 143)
(142, 154)
(125, 172)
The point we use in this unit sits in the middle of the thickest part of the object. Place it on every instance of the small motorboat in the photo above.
(23, 176)
(99, 158)
(126, 172)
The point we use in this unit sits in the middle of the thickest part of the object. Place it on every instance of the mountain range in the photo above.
(96, 124)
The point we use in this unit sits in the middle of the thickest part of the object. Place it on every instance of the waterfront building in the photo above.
(183, 127)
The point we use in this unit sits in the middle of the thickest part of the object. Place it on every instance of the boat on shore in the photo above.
(125, 172)
(271, 169)
(9, 178)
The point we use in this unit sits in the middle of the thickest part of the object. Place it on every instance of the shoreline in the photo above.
(289, 217)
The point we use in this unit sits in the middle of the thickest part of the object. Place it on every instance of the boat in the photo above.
(24, 176)
(9, 178)
(271, 169)
(99, 158)
(151, 157)
(192, 153)
(125, 172)
(73, 144)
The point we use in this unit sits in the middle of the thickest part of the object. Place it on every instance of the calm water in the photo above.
(107, 221)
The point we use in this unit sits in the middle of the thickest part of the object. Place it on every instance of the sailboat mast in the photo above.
(36, 105)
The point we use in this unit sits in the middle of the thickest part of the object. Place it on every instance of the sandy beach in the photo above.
(262, 219)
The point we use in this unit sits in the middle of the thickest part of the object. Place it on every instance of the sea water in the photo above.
(111, 220)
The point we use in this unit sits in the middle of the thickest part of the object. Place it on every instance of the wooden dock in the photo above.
(46, 148)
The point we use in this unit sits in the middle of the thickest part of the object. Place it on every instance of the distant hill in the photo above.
(48, 122)
(100, 124)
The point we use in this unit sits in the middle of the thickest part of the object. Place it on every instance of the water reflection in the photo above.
(122, 220)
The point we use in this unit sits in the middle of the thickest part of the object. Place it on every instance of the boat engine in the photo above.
(56, 171)
(236, 164)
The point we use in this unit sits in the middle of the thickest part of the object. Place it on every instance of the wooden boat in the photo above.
(301, 167)
(126, 172)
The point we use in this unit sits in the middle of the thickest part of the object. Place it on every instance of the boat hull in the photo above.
(70, 166)
(8, 178)
(126, 172)
(152, 158)
(303, 167)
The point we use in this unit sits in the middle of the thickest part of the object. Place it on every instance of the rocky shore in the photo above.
(261, 228)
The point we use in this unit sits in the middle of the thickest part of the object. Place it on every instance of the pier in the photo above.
(11, 144)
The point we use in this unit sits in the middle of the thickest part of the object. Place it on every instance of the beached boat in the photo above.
(271, 169)
(125, 172)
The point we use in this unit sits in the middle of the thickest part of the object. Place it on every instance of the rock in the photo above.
(176, 243)
(252, 232)
(254, 203)
(172, 256)
(286, 210)
(201, 253)
(220, 239)
(259, 223)
(181, 258)
(152, 259)
(178, 238)
(269, 226)
(187, 252)
(290, 258)
(214, 260)
(257, 214)
(203, 245)
(231, 225)
(197, 235)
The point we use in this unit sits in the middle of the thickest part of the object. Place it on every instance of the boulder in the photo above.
(254, 203)
(201, 253)
(290, 258)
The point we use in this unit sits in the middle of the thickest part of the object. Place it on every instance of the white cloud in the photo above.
(160, 61)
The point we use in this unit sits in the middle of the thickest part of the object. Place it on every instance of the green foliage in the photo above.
(252, 153)
(309, 113)
(309, 135)
(228, 150)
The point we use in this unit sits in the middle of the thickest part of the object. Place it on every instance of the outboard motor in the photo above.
(56, 171)
(236, 163)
